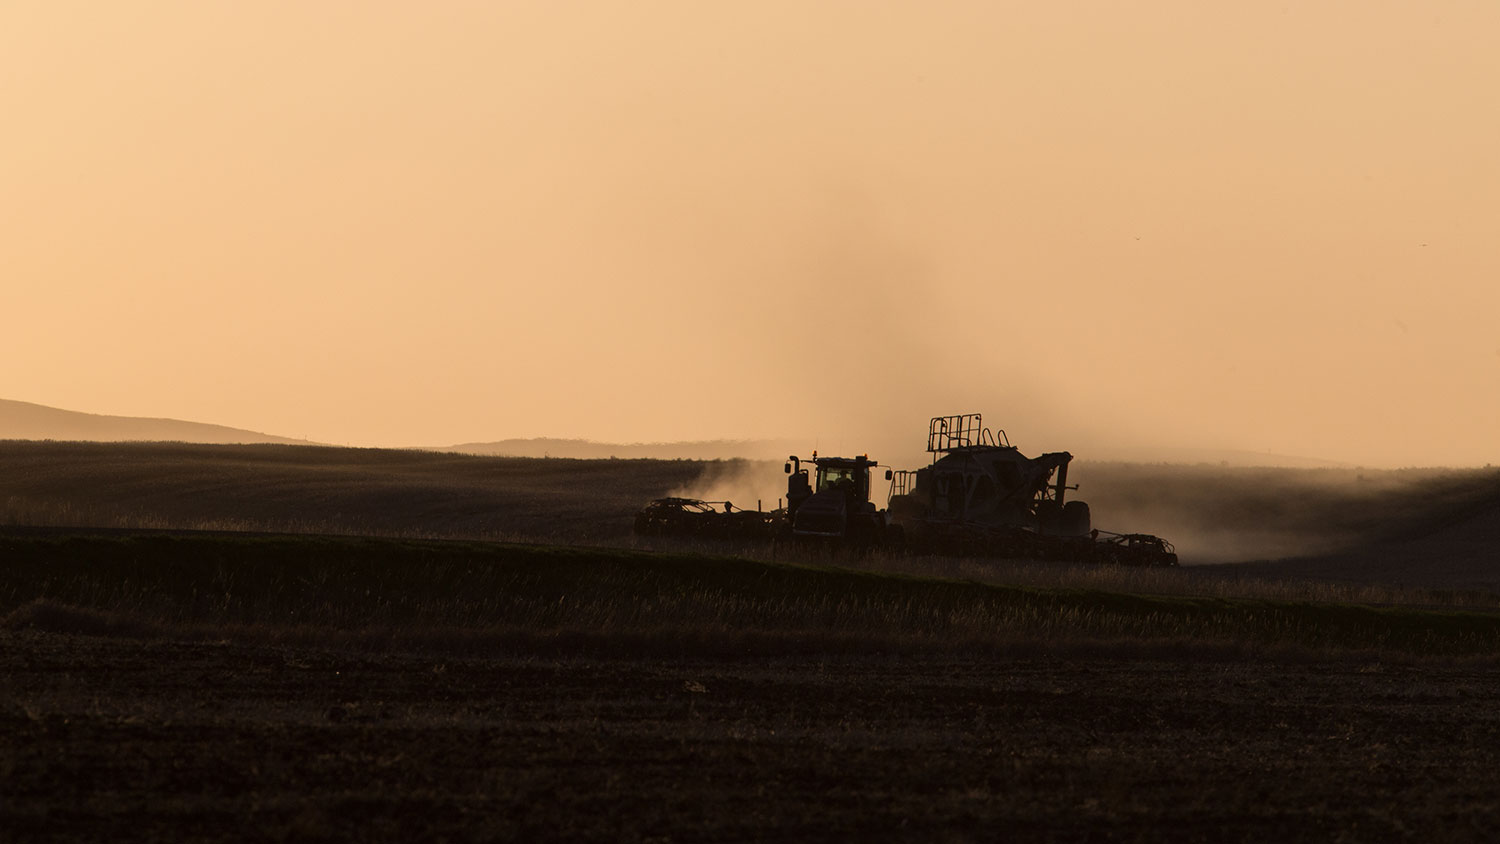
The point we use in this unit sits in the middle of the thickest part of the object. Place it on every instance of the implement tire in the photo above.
(1075, 519)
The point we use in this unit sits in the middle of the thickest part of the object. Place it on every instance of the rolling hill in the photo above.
(591, 450)
(1428, 528)
(21, 420)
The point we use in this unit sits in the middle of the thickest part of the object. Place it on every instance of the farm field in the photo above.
(108, 739)
(291, 643)
(319, 489)
(690, 422)
(1413, 527)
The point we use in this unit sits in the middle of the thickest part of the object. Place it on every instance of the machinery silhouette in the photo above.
(980, 496)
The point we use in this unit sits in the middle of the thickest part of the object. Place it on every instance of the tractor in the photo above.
(830, 502)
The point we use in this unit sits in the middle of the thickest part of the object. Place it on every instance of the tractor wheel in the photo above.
(1075, 519)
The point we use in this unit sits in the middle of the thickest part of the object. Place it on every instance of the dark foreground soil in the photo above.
(118, 740)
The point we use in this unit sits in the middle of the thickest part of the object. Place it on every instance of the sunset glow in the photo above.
(1106, 226)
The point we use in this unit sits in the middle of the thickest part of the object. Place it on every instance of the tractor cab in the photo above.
(851, 478)
(841, 494)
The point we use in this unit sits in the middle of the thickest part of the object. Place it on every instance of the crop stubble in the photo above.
(156, 740)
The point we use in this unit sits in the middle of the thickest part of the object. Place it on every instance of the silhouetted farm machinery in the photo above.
(703, 519)
(979, 497)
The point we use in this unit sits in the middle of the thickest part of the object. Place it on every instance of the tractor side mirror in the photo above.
(787, 468)
(887, 474)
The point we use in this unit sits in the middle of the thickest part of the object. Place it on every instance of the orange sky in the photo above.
(1104, 225)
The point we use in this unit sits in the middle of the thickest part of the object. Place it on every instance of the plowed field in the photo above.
(104, 739)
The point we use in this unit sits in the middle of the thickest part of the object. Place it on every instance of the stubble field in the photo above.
(162, 741)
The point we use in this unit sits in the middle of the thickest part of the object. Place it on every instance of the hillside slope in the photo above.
(21, 420)
(1429, 528)
(590, 450)
(320, 489)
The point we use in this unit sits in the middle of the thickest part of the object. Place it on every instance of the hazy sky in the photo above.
(1105, 225)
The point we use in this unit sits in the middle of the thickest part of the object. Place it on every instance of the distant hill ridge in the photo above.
(590, 450)
(21, 420)
(779, 449)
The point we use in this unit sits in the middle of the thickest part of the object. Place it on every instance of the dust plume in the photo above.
(1220, 514)
(747, 484)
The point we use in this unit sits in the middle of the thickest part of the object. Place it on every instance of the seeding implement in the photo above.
(691, 517)
(981, 496)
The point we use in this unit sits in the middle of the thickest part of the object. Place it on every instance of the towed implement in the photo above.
(693, 518)
(980, 497)
(1133, 549)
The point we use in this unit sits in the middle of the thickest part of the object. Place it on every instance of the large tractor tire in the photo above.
(1075, 519)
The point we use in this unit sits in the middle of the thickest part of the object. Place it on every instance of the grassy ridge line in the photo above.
(412, 588)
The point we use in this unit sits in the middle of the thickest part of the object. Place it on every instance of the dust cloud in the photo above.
(1219, 514)
(747, 484)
